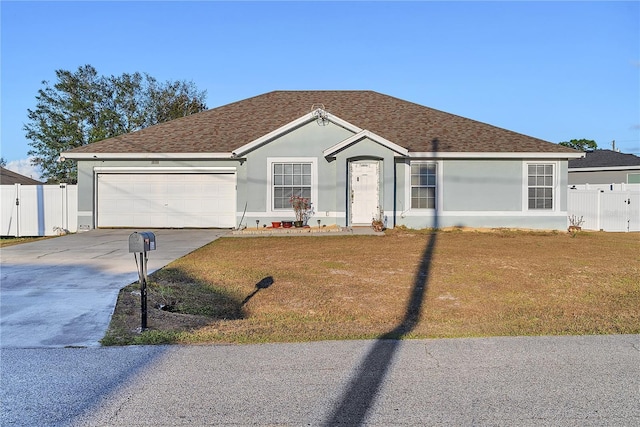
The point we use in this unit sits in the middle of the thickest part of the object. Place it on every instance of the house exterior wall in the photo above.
(86, 194)
(487, 185)
(563, 182)
(308, 142)
(600, 177)
(481, 193)
(304, 143)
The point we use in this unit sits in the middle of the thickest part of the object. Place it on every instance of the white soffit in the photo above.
(165, 170)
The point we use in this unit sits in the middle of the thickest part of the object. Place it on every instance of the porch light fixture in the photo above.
(320, 114)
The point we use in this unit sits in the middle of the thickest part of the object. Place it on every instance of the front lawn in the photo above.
(413, 284)
(10, 241)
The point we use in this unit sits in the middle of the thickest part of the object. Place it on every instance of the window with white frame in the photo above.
(423, 185)
(540, 186)
(290, 179)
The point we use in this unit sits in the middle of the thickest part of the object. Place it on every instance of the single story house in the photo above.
(356, 154)
(605, 167)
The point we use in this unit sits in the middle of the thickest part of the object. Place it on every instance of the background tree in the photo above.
(83, 107)
(3, 162)
(581, 144)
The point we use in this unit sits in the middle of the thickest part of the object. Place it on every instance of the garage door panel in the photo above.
(166, 200)
(149, 220)
(210, 205)
(178, 188)
(148, 206)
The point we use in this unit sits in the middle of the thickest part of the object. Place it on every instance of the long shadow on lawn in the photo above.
(358, 398)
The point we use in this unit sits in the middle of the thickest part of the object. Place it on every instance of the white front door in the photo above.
(364, 192)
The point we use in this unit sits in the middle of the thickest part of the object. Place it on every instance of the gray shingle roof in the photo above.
(8, 177)
(412, 126)
(604, 158)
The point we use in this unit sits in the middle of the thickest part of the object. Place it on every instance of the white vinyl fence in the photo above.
(38, 210)
(611, 207)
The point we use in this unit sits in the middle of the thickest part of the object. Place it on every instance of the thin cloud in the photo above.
(24, 167)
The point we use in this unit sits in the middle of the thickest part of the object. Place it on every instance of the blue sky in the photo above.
(552, 70)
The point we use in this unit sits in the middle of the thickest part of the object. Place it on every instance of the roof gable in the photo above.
(236, 126)
(322, 117)
(332, 151)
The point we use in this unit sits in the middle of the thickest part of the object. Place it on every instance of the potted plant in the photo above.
(302, 208)
(575, 223)
(377, 223)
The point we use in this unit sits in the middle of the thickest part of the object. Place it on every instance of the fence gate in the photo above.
(38, 210)
(605, 210)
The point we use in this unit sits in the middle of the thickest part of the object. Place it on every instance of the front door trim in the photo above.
(364, 191)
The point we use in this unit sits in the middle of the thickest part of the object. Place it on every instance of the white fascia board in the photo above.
(342, 123)
(604, 169)
(486, 155)
(144, 156)
(307, 118)
(161, 169)
(361, 135)
(239, 152)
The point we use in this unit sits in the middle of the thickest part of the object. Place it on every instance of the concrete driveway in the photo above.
(62, 291)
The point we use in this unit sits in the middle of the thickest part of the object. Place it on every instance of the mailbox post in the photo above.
(141, 243)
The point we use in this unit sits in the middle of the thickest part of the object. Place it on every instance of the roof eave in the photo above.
(144, 156)
(604, 168)
(498, 155)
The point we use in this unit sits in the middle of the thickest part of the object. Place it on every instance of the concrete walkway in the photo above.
(306, 231)
(62, 291)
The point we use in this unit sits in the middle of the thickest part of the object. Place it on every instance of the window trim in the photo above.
(554, 188)
(314, 181)
(631, 180)
(437, 186)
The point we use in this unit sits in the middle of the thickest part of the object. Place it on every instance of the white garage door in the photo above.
(166, 200)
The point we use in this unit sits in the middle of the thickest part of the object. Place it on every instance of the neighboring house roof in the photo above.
(412, 126)
(604, 159)
(8, 177)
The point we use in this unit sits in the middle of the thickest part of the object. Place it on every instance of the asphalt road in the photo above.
(524, 381)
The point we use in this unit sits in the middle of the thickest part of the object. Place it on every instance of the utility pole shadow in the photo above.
(363, 389)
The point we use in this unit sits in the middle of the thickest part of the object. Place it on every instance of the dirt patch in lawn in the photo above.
(266, 289)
